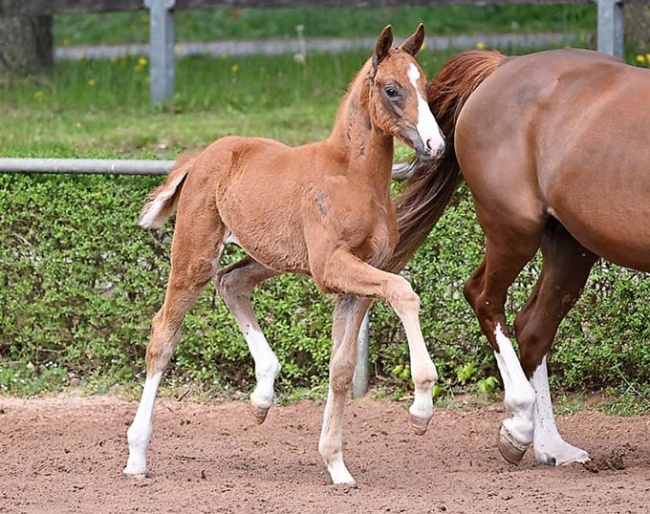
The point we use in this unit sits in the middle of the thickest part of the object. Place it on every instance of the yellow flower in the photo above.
(67, 42)
(234, 68)
(647, 57)
(78, 125)
(142, 61)
(640, 59)
(223, 56)
(137, 68)
(480, 45)
(92, 82)
(145, 18)
(39, 95)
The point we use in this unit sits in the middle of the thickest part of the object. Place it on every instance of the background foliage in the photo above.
(80, 281)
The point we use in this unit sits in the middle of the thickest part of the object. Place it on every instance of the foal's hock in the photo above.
(322, 209)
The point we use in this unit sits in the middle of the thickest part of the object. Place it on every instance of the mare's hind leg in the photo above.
(508, 249)
(195, 256)
(235, 283)
(565, 269)
(349, 312)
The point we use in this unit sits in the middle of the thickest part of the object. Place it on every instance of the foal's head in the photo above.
(398, 92)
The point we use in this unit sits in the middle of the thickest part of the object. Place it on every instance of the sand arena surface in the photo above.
(66, 454)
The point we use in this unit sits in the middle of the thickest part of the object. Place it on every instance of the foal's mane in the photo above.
(431, 184)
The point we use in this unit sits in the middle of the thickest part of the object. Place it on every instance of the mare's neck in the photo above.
(367, 150)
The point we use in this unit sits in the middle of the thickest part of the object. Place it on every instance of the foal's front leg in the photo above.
(348, 315)
(346, 274)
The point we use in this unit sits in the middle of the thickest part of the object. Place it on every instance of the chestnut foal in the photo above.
(322, 209)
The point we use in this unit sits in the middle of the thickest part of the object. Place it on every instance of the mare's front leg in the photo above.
(565, 268)
(349, 312)
(345, 274)
(235, 283)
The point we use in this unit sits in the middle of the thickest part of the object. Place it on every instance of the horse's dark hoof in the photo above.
(418, 425)
(510, 449)
(259, 414)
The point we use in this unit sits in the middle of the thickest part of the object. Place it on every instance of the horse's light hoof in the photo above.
(511, 450)
(418, 425)
(138, 475)
(259, 414)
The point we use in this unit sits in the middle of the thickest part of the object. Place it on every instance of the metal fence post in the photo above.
(161, 48)
(360, 379)
(611, 25)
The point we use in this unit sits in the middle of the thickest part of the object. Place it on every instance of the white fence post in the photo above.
(360, 379)
(161, 48)
(611, 25)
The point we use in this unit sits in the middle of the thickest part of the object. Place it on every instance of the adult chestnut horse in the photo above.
(555, 149)
(323, 209)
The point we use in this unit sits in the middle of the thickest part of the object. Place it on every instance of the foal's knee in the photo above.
(341, 372)
(403, 299)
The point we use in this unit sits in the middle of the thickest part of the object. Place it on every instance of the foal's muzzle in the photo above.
(426, 150)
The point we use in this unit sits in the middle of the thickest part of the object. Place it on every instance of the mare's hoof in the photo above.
(511, 450)
(259, 414)
(418, 425)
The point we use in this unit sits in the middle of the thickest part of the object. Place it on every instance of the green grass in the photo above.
(218, 24)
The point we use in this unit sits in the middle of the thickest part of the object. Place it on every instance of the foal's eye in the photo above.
(391, 92)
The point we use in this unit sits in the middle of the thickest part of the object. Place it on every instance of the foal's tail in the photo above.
(431, 185)
(162, 201)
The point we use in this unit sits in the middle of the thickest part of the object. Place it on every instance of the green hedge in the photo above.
(80, 283)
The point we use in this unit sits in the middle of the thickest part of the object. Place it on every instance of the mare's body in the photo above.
(555, 149)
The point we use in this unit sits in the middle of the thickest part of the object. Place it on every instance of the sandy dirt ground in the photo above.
(65, 455)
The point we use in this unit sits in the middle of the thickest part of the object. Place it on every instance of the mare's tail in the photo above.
(431, 184)
(162, 201)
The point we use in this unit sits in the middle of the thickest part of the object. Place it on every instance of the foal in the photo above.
(322, 209)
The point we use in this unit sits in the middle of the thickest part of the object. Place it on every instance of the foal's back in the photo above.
(565, 133)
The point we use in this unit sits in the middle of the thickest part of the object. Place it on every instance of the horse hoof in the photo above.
(418, 425)
(259, 414)
(511, 450)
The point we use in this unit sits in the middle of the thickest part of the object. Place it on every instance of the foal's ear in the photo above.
(384, 43)
(413, 44)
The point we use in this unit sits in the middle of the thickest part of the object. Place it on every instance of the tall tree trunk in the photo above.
(26, 44)
(637, 25)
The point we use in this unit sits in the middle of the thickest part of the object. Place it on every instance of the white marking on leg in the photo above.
(549, 446)
(139, 433)
(267, 367)
(330, 445)
(519, 397)
(427, 125)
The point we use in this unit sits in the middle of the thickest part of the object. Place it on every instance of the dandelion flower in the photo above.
(78, 124)
(234, 68)
(39, 95)
(142, 61)
(92, 82)
(67, 42)
(480, 45)
(640, 59)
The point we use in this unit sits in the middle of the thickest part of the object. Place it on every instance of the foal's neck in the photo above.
(367, 149)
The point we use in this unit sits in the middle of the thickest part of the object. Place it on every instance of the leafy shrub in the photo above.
(80, 283)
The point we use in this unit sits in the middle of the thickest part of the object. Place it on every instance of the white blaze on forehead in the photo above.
(427, 126)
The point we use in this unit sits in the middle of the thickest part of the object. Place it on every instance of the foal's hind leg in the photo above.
(565, 269)
(235, 283)
(508, 249)
(195, 256)
(349, 312)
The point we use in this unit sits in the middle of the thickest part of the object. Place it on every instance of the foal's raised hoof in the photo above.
(259, 414)
(418, 425)
(511, 450)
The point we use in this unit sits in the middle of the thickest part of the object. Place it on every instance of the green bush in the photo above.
(80, 283)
